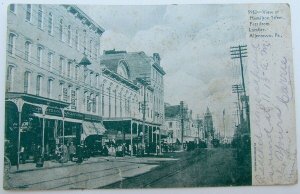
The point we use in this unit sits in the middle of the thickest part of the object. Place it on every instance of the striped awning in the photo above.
(92, 128)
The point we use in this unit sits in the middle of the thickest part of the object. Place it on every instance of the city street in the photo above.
(205, 167)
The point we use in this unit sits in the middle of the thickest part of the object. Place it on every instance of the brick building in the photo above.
(56, 97)
(132, 87)
(59, 89)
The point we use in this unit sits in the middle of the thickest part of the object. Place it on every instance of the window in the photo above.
(40, 56)
(49, 88)
(84, 40)
(90, 49)
(50, 24)
(91, 79)
(61, 87)
(69, 69)
(77, 39)
(38, 85)
(9, 79)
(28, 12)
(75, 99)
(61, 29)
(40, 17)
(12, 8)
(50, 60)
(11, 43)
(27, 50)
(170, 124)
(61, 65)
(96, 104)
(69, 35)
(76, 72)
(26, 81)
(97, 80)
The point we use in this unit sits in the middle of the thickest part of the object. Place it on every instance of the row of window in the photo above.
(66, 67)
(88, 46)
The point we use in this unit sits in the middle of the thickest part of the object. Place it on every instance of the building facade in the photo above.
(56, 97)
(133, 96)
(180, 124)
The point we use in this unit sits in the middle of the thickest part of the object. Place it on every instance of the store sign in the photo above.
(73, 99)
(73, 115)
(32, 109)
(65, 94)
(53, 111)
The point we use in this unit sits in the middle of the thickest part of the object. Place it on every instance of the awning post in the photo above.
(131, 150)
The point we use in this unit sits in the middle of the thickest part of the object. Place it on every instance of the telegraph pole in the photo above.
(182, 122)
(145, 82)
(240, 52)
(237, 89)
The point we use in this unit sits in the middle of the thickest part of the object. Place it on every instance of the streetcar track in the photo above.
(188, 159)
(102, 176)
(61, 178)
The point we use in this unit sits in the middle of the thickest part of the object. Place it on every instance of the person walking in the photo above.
(72, 151)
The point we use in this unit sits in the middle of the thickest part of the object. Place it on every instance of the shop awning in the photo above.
(92, 128)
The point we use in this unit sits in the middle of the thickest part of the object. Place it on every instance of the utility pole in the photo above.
(240, 52)
(145, 82)
(182, 122)
(237, 89)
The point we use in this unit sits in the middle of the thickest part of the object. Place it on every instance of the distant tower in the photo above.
(208, 125)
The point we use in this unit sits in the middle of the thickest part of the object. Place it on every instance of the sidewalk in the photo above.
(55, 164)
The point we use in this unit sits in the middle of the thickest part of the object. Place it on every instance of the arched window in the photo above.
(90, 49)
(26, 81)
(69, 69)
(49, 88)
(39, 85)
(27, 50)
(61, 65)
(40, 17)
(12, 8)
(11, 43)
(76, 72)
(28, 12)
(50, 23)
(84, 41)
(69, 35)
(122, 70)
(77, 39)
(9, 78)
(50, 60)
(40, 55)
(61, 29)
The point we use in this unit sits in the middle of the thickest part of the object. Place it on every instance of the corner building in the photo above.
(50, 97)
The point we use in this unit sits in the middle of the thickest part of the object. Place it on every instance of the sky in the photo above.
(194, 44)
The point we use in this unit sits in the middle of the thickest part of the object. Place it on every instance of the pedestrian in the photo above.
(72, 151)
(157, 150)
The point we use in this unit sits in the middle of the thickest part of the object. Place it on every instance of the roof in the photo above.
(85, 18)
(138, 62)
(172, 111)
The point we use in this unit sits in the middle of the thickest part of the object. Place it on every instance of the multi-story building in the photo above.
(133, 95)
(53, 76)
(180, 124)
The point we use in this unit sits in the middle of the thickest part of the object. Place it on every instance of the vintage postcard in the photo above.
(148, 96)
